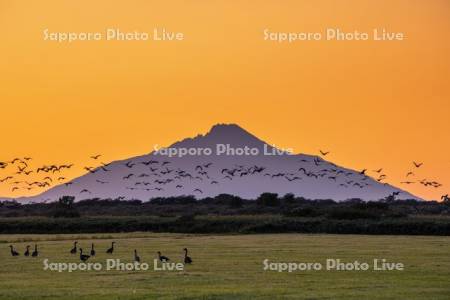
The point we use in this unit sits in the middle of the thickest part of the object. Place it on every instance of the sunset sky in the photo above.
(373, 104)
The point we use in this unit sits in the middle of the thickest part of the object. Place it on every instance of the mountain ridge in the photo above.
(156, 175)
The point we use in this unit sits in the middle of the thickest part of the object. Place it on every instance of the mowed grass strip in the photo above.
(229, 267)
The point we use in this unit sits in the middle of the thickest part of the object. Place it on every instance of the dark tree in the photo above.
(65, 208)
(268, 199)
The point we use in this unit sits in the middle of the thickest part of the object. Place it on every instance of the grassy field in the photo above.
(230, 267)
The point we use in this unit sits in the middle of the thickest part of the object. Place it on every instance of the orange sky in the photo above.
(372, 104)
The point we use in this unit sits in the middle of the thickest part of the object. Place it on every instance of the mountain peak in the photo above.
(224, 129)
(232, 134)
(222, 133)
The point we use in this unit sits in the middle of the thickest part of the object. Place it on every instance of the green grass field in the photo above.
(230, 267)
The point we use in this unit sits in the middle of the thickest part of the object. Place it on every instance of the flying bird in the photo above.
(90, 170)
(129, 165)
(417, 165)
(128, 176)
(324, 153)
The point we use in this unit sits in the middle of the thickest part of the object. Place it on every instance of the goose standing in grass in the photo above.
(111, 250)
(13, 252)
(92, 250)
(83, 257)
(35, 252)
(187, 259)
(136, 256)
(162, 258)
(27, 252)
(74, 249)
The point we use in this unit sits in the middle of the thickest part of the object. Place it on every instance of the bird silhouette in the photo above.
(35, 252)
(83, 257)
(13, 252)
(74, 249)
(324, 153)
(187, 259)
(96, 156)
(136, 256)
(162, 258)
(129, 164)
(111, 249)
(417, 165)
(90, 170)
(27, 251)
(6, 178)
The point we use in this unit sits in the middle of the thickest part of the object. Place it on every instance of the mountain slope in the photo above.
(257, 168)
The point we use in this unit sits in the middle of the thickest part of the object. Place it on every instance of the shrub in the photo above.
(303, 212)
(351, 214)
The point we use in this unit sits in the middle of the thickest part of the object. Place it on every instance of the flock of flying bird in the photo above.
(161, 174)
(84, 257)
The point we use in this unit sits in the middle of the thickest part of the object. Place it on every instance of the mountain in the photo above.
(248, 168)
